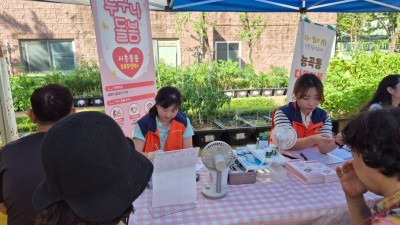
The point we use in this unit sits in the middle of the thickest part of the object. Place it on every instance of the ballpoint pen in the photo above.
(304, 157)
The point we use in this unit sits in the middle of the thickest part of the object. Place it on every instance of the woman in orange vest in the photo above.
(312, 124)
(164, 128)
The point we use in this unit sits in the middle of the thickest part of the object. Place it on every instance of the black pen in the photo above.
(304, 157)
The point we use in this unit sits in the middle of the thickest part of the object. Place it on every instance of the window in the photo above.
(167, 50)
(47, 55)
(227, 51)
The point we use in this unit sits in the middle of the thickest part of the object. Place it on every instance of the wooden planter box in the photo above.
(230, 93)
(266, 92)
(81, 101)
(242, 93)
(260, 123)
(280, 91)
(206, 133)
(254, 92)
(97, 101)
(237, 131)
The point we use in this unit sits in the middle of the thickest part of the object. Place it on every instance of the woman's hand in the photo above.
(324, 139)
(351, 184)
(339, 139)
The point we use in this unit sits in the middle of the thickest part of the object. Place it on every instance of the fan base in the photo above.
(211, 193)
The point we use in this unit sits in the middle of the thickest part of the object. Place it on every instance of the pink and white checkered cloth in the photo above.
(284, 202)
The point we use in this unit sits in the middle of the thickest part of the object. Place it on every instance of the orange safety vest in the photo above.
(294, 115)
(174, 140)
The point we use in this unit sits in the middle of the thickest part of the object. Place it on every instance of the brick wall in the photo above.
(21, 19)
(24, 20)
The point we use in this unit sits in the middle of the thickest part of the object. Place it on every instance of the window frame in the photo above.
(227, 50)
(156, 49)
(25, 56)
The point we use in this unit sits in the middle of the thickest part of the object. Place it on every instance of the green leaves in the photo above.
(351, 82)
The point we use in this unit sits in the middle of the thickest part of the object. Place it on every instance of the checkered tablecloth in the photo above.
(284, 202)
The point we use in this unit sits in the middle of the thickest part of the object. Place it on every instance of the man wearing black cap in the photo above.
(92, 172)
(20, 166)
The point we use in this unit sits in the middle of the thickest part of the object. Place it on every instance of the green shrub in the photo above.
(167, 75)
(350, 83)
(201, 96)
(24, 124)
(247, 106)
(22, 88)
(85, 81)
(276, 77)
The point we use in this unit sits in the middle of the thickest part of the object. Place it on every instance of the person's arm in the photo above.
(188, 143)
(327, 143)
(3, 208)
(139, 140)
(187, 135)
(358, 209)
(354, 191)
(139, 145)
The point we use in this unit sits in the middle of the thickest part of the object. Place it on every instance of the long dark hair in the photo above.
(381, 94)
(166, 97)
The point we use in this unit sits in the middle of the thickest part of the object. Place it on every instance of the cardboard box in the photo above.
(241, 178)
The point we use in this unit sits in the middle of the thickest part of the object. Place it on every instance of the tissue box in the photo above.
(242, 178)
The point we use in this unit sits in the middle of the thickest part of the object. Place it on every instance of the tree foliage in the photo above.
(252, 29)
(366, 26)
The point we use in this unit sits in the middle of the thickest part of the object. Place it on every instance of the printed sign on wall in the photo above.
(124, 44)
(312, 52)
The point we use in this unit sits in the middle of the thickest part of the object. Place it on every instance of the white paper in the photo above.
(343, 153)
(174, 177)
(315, 154)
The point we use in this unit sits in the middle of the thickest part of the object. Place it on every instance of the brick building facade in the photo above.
(28, 29)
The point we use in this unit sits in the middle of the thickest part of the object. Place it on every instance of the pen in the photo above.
(304, 157)
(339, 145)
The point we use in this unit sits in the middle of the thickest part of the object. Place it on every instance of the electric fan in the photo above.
(284, 136)
(217, 156)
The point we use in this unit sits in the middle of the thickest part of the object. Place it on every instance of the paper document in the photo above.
(314, 154)
(343, 153)
(174, 177)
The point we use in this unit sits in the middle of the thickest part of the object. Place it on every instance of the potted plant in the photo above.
(202, 98)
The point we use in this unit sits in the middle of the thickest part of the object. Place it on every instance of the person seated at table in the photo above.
(374, 140)
(20, 167)
(387, 95)
(164, 127)
(92, 172)
(311, 123)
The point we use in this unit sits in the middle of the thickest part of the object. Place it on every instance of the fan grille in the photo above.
(288, 135)
(214, 148)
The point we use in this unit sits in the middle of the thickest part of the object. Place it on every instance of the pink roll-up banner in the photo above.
(312, 52)
(124, 44)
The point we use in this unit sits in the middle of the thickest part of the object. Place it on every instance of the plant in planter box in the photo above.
(253, 111)
(238, 132)
(202, 98)
(84, 82)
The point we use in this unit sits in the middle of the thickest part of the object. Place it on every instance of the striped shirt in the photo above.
(281, 118)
